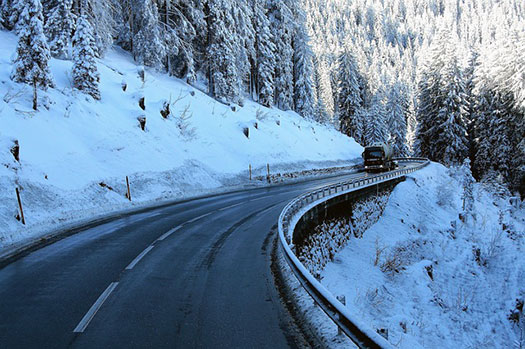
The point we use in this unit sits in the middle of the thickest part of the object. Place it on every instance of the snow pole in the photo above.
(20, 206)
(128, 194)
(250, 170)
(268, 171)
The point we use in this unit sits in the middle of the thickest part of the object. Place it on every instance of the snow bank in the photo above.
(438, 284)
(76, 152)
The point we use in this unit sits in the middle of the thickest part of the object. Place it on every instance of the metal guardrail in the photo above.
(358, 332)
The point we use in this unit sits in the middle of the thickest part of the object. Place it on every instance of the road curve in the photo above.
(194, 274)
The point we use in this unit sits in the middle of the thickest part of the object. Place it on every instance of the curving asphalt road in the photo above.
(191, 275)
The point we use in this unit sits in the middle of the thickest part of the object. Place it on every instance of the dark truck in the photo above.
(378, 157)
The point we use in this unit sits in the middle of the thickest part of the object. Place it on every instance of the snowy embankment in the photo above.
(75, 152)
(431, 280)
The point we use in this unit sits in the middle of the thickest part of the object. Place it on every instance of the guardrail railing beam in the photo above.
(287, 220)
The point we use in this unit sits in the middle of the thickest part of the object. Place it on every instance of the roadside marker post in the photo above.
(128, 194)
(20, 206)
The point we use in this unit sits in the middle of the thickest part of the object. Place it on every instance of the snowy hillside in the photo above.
(75, 152)
(438, 282)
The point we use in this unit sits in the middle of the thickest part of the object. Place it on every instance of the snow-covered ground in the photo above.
(74, 148)
(436, 286)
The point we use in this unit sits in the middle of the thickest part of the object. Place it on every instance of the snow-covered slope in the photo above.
(73, 143)
(431, 287)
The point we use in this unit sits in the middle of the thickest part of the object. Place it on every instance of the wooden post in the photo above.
(128, 195)
(250, 168)
(20, 206)
(268, 170)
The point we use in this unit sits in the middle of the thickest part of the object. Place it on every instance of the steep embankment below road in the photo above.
(75, 152)
(432, 280)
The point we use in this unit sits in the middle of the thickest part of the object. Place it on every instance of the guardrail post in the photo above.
(341, 299)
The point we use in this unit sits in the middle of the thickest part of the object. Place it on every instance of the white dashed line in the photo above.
(83, 324)
(138, 258)
(169, 232)
(264, 197)
(227, 207)
(197, 218)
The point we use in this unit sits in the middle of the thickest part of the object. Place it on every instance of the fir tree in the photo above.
(375, 125)
(303, 71)
(349, 97)
(281, 21)
(148, 48)
(31, 63)
(85, 75)
(265, 55)
(59, 28)
(223, 75)
(396, 118)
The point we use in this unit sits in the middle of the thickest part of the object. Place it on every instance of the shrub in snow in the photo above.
(183, 124)
(32, 53)
(85, 75)
(331, 236)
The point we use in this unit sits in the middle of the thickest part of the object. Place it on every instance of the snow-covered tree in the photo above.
(244, 45)
(375, 124)
(350, 97)
(11, 10)
(265, 55)
(148, 48)
(85, 74)
(59, 28)
(396, 117)
(303, 70)
(32, 53)
(223, 75)
(281, 21)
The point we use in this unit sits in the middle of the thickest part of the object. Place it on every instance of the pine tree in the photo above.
(396, 115)
(281, 21)
(11, 10)
(244, 45)
(31, 63)
(442, 134)
(223, 75)
(303, 70)
(59, 28)
(148, 48)
(85, 75)
(450, 144)
(349, 97)
(265, 55)
(375, 125)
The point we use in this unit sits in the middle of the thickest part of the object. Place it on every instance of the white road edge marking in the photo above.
(83, 324)
(169, 232)
(138, 258)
